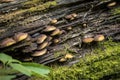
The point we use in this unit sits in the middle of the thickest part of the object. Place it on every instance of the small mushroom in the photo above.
(69, 28)
(29, 38)
(56, 41)
(88, 40)
(39, 53)
(70, 17)
(99, 38)
(49, 28)
(68, 56)
(41, 38)
(28, 59)
(7, 42)
(53, 21)
(88, 35)
(43, 45)
(111, 4)
(74, 15)
(56, 32)
(62, 60)
(20, 36)
(84, 24)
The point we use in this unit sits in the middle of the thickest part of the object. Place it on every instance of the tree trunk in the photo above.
(91, 18)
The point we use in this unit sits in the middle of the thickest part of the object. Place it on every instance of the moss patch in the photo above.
(102, 62)
(116, 11)
(21, 14)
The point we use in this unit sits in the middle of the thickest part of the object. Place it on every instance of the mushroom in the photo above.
(7, 42)
(28, 59)
(20, 36)
(62, 60)
(69, 28)
(99, 38)
(68, 56)
(74, 15)
(84, 24)
(39, 53)
(43, 45)
(41, 38)
(111, 4)
(56, 32)
(56, 40)
(49, 28)
(53, 21)
(88, 40)
(71, 16)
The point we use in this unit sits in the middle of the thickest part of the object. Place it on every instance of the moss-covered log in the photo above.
(97, 65)
(45, 31)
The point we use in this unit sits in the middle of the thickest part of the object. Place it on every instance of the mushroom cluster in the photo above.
(97, 38)
(71, 16)
(38, 41)
(13, 40)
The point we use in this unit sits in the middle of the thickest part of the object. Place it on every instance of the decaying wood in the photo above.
(93, 17)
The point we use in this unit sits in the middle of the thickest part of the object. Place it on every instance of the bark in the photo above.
(93, 17)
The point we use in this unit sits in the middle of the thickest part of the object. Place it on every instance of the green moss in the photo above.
(116, 11)
(21, 14)
(30, 2)
(42, 7)
(92, 67)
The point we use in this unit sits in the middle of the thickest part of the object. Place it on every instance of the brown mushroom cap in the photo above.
(111, 4)
(28, 59)
(69, 28)
(7, 42)
(62, 60)
(74, 15)
(53, 21)
(43, 45)
(20, 36)
(56, 40)
(84, 25)
(39, 53)
(88, 40)
(41, 38)
(49, 28)
(99, 38)
(56, 32)
(68, 16)
(68, 56)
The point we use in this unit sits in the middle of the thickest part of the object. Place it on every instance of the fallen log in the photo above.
(75, 20)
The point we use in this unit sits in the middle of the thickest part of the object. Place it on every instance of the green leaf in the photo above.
(37, 68)
(7, 59)
(7, 77)
(7, 71)
(21, 69)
